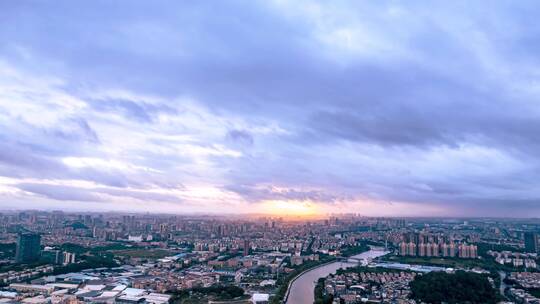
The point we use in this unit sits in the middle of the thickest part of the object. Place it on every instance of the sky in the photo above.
(384, 108)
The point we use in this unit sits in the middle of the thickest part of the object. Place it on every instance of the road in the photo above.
(502, 274)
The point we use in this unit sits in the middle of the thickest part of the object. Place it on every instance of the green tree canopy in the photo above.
(460, 287)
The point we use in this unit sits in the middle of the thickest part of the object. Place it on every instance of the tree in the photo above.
(460, 287)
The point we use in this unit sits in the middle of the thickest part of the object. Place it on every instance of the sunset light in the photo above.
(291, 208)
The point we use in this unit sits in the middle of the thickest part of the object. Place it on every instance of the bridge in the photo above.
(353, 260)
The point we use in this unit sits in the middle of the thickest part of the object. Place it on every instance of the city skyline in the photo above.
(63, 257)
(285, 108)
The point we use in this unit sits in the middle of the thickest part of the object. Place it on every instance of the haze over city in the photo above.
(302, 108)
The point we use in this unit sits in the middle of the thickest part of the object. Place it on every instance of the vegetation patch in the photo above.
(348, 251)
(460, 287)
(7, 250)
(218, 293)
(143, 253)
(487, 263)
(320, 296)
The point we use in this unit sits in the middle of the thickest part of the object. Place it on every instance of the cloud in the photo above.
(428, 106)
(141, 112)
(93, 193)
(240, 136)
(61, 193)
(264, 193)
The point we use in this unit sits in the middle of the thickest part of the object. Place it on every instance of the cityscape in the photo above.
(269, 152)
(60, 257)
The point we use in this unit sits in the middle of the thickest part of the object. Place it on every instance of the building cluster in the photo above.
(524, 281)
(451, 250)
(145, 283)
(28, 250)
(151, 282)
(516, 259)
(522, 296)
(423, 245)
(297, 260)
(92, 286)
(370, 287)
(158, 254)
(531, 241)
(24, 274)
(295, 246)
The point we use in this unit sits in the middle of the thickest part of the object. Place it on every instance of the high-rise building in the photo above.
(452, 250)
(473, 251)
(411, 249)
(444, 250)
(531, 242)
(28, 247)
(69, 258)
(246, 247)
(422, 249)
(428, 250)
(468, 251)
(463, 251)
(403, 248)
(435, 249)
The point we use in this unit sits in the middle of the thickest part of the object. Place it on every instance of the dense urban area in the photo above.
(58, 257)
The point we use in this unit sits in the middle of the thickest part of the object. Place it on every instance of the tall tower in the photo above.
(531, 242)
(28, 248)
(246, 247)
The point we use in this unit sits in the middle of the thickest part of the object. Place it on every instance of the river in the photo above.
(302, 288)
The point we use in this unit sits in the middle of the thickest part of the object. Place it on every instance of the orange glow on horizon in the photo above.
(291, 208)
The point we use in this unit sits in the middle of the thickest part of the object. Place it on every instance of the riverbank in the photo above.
(283, 290)
(286, 297)
(301, 290)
